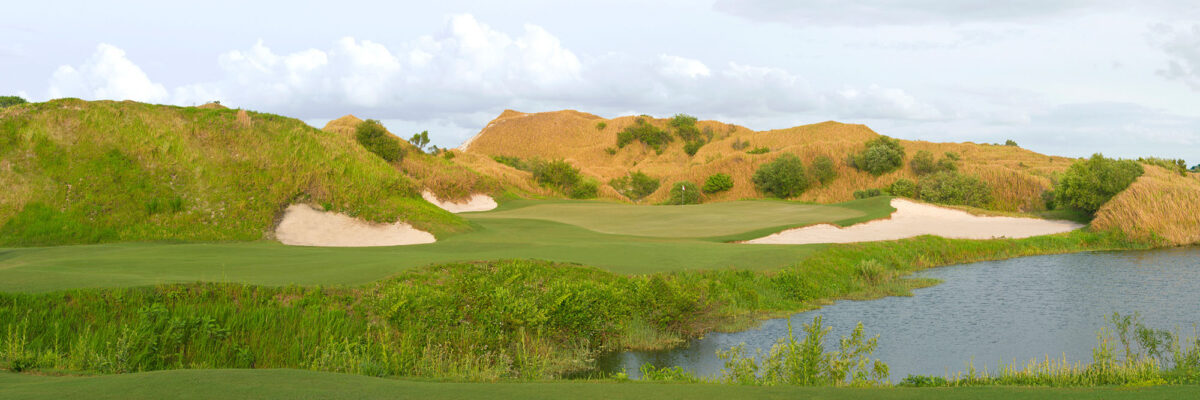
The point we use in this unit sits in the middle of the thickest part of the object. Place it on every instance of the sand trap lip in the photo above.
(915, 219)
(303, 225)
(477, 202)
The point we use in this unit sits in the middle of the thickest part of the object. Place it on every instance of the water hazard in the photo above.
(985, 313)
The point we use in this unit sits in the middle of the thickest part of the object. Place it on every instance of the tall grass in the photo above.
(1159, 206)
(86, 172)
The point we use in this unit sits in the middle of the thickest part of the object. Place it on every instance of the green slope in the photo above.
(92, 172)
(295, 384)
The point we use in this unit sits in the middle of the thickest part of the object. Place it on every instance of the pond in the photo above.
(984, 313)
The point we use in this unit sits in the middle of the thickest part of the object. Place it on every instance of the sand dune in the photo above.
(303, 225)
(915, 219)
(477, 202)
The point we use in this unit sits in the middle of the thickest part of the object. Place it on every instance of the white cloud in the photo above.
(890, 12)
(676, 66)
(1183, 48)
(878, 102)
(107, 74)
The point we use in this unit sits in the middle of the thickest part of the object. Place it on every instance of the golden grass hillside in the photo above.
(1018, 176)
(1159, 205)
(448, 178)
(74, 171)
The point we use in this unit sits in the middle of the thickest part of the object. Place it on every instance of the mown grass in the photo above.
(298, 384)
(93, 172)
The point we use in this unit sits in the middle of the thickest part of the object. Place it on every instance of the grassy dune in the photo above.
(89, 172)
(297, 384)
(1017, 176)
(1159, 205)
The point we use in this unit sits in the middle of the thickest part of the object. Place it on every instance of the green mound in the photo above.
(90, 172)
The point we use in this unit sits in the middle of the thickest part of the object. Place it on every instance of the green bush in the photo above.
(867, 193)
(953, 156)
(646, 133)
(822, 170)
(922, 163)
(1090, 183)
(783, 178)
(8, 101)
(1010, 142)
(717, 183)
(601, 125)
(881, 155)
(692, 147)
(903, 188)
(376, 139)
(947, 164)
(1177, 165)
(739, 144)
(512, 162)
(685, 127)
(684, 193)
(954, 188)
(635, 186)
(558, 173)
(420, 140)
(759, 150)
(585, 189)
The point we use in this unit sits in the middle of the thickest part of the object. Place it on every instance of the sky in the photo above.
(1064, 77)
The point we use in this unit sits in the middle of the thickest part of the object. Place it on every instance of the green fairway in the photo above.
(41, 269)
(693, 221)
(297, 384)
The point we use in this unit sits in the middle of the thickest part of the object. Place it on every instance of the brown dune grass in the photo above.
(1018, 176)
(1158, 205)
(212, 106)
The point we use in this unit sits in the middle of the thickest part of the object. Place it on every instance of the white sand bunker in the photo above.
(303, 225)
(477, 202)
(915, 219)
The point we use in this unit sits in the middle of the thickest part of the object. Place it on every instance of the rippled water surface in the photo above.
(988, 312)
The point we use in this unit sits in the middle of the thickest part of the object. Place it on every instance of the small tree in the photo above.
(685, 193)
(881, 155)
(635, 186)
(903, 188)
(376, 139)
(1010, 142)
(823, 170)
(717, 183)
(922, 163)
(783, 178)
(1090, 183)
(420, 140)
(8, 101)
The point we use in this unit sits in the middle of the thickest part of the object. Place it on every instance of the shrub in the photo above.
(903, 188)
(646, 133)
(1090, 183)
(692, 147)
(881, 155)
(947, 165)
(1195, 168)
(759, 150)
(601, 125)
(635, 186)
(717, 183)
(610, 150)
(1177, 165)
(558, 173)
(8, 101)
(822, 170)
(739, 144)
(420, 140)
(953, 156)
(867, 193)
(685, 127)
(376, 139)
(512, 162)
(922, 163)
(783, 178)
(1010, 142)
(953, 188)
(585, 189)
(685, 193)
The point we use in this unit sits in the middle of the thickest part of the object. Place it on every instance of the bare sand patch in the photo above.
(477, 202)
(303, 225)
(916, 219)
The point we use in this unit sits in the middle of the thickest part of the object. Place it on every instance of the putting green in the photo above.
(690, 221)
(297, 384)
(40, 269)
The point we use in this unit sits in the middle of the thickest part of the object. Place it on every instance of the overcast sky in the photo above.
(1067, 77)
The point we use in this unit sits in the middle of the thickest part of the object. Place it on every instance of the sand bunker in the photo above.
(303, 225)
(915, 219)
(477, 202)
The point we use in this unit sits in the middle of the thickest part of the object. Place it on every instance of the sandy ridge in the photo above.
(477, 202)
(303, 225)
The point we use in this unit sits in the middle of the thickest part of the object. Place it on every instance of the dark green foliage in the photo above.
(375, 138)
(635, 186)
(1048, 197)
(684, 193)
(692, 147)
(8, 101)
(867, 193)
(953, 156)
(954, 188)
(922, 163)
(903, 188)
(610, 150)
(685, 127)
(758, 150)
(718, 182)
(881, 155)
(1010, 142)
(585, 189)
(420, 140)
(557, 174)
(1090, 183)
(1177, 165)
(644, 132)
(947, 165)
(783, 178)
(447, 154)
(739, 144)
(822, 170)
(601, 125)
(1195, 168)
(512, 162)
